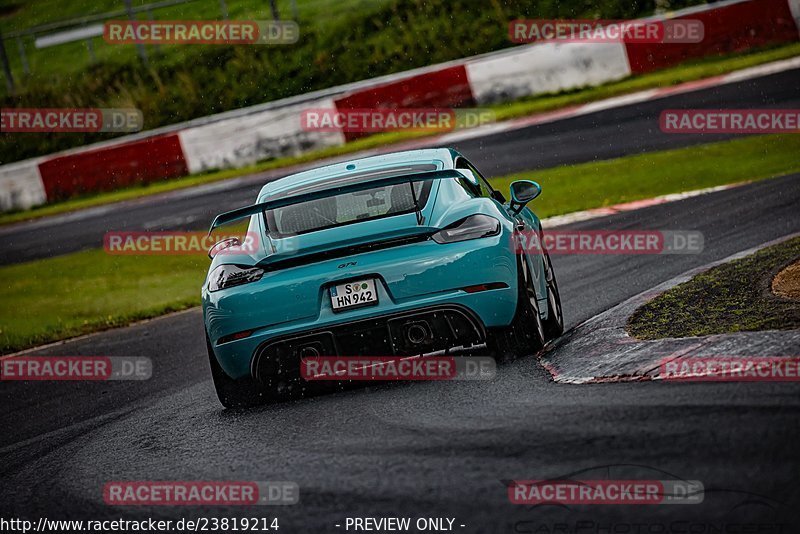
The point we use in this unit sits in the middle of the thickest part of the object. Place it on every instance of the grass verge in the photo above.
(597, 184)
(89, 291)
(683, 73)
(50, 299)
(733, 297)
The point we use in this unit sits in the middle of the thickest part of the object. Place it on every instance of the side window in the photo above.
(465, 184)
(484, 189)
(468, 188)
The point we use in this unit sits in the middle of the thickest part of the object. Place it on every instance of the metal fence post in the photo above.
(139, 46)
(6, 66)
(224, 9)
(273, 6)
(151, 19)
(23, 58)
(90, 48)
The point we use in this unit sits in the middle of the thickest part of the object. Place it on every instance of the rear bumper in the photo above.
(400, 334)
(411, 280)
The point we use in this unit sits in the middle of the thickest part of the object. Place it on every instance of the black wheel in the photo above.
(525, 334)
(554, 324)
(241, 393)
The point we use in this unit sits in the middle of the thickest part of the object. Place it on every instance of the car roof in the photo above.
(302, 180)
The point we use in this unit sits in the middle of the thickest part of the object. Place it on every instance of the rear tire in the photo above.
(525, 334)
(241, 393)
(554, 324)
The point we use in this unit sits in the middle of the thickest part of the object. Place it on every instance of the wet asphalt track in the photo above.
(432, 449)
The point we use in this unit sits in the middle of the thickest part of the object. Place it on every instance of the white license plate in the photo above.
(354, 294)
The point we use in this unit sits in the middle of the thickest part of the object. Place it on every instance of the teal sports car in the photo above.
(430, 246)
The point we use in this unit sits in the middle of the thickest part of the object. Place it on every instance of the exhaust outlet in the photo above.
(309, 351)
(418, 333)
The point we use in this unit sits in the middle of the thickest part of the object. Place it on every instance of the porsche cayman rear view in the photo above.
(402, 254)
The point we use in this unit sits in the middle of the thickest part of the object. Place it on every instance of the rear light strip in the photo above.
(484, 287)
(234, 337)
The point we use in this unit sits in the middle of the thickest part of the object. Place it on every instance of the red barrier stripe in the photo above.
(113, 167)
(727, 29)
(444, 88)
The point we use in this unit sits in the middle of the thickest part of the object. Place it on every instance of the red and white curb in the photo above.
(599, 350)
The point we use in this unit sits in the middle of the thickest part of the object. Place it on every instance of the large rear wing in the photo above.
(247, 211)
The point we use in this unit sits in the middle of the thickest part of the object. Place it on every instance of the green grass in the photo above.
(590, 185)
(733, 297)
(88, 291)
(73, 58)
(50, 299)
(682, 73)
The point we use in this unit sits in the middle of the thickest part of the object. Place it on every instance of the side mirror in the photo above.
(222, 245)
(522, 192)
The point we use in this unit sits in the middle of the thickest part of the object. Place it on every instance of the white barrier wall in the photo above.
(21, 185)
(545, 68)
(794, 7)
(245, 140)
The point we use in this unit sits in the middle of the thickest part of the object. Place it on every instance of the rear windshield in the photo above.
(348, 208)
